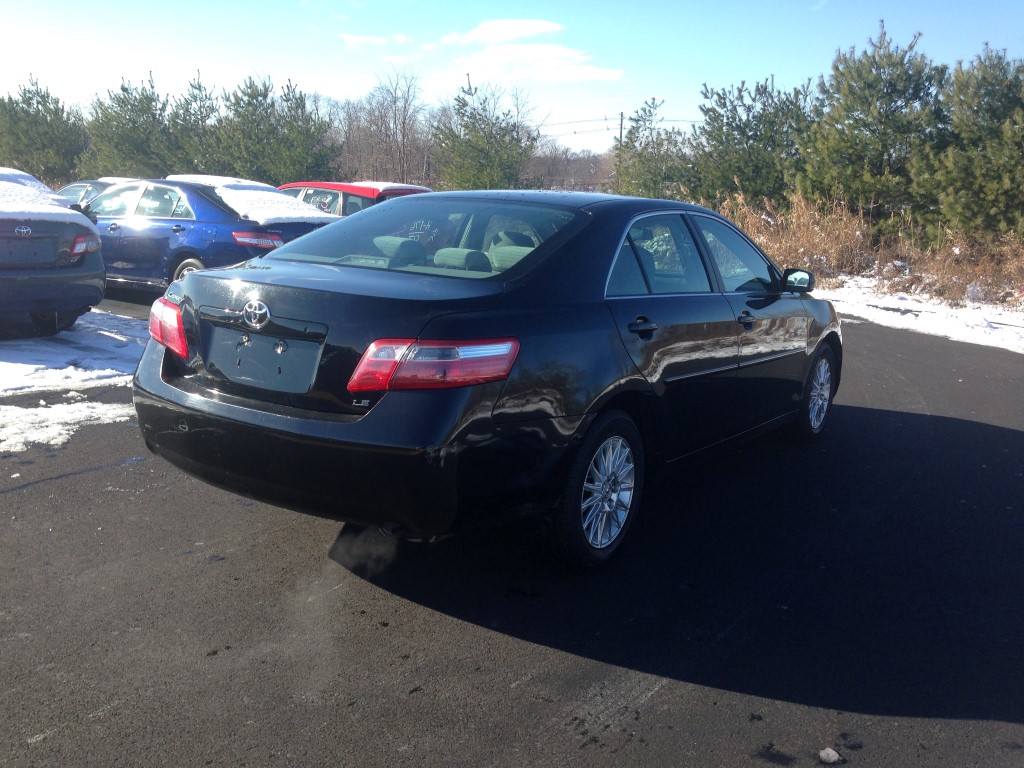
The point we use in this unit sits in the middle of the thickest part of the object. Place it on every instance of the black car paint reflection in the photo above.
(615, 365)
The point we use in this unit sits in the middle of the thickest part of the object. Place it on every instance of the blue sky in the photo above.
(577, 64)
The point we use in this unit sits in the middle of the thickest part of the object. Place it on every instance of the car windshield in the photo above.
(458, 237)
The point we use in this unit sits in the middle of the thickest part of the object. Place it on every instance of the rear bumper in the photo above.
(52, 290)
(418, 463)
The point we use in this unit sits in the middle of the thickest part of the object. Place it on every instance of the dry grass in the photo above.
(834, 242)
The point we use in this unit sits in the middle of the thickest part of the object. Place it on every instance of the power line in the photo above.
(577, 122)
(577, 133)
(615, 119)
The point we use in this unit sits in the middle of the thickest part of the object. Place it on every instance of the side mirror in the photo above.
(799, 280)
(85, 209)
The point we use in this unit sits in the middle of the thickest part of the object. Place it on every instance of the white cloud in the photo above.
(501, 31)
(535, 62)
(501, 52)
(362, 41)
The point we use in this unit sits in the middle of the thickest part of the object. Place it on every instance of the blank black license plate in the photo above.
(27, 253)
(283, 365)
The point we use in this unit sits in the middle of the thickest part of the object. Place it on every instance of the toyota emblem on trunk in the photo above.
(23, 231)
(256, 314)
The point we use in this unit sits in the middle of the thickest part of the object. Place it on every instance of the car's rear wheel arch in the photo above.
(640, 408)
(185, 261)
(603, 490)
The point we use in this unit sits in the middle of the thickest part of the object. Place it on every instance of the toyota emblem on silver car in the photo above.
(23, 231)
(256, 314)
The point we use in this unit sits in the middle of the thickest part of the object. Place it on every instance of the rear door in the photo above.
(680, 333)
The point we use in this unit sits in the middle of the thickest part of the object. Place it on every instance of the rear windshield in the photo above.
(451, 236)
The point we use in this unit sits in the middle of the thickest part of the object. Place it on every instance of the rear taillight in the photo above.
(166, 327)
(83, 244)
(266, 240)
(390, 364)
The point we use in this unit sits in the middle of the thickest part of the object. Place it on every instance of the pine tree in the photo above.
(876, 112)
(39, 135)
(650, 161)
(130, 134)
(480, 145)
(192, 122)
(977, 182)
(749, 142)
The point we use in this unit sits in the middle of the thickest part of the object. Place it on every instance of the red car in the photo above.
(343, 198)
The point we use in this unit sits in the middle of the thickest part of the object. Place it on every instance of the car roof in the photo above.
(262, 203)
(581, 200)
(371, 189)
(24, 197)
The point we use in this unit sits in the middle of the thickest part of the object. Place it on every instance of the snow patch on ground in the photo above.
(975, 323)
(54, 424)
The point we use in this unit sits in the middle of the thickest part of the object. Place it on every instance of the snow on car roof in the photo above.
(384, 186)
(24, 197)
(257, 201)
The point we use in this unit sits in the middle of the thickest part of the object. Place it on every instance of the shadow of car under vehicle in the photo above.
(877, 571)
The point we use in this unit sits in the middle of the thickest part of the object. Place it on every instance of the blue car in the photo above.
(156, 230)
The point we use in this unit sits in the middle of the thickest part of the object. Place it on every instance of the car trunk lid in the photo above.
(31, 244)
(295, 339)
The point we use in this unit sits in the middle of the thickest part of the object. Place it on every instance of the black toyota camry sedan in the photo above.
(441, 359)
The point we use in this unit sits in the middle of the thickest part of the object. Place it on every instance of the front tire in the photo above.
(602, 492)
(819, 391)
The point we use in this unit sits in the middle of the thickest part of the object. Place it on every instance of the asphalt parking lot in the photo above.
(861, 595)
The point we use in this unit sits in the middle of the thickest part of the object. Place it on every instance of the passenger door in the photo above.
(111, 208)
(162, 222)
(773, 324)
(680, 333)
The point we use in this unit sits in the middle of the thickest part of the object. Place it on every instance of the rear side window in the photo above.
(322, 199)
(658, 256)
(164, 202)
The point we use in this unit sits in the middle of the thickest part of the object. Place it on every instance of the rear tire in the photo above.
(188, 265)
(602, 492)
(51, 323)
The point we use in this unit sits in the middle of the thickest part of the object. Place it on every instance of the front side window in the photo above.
(741, 265)
(354, 204)
(116, 202)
